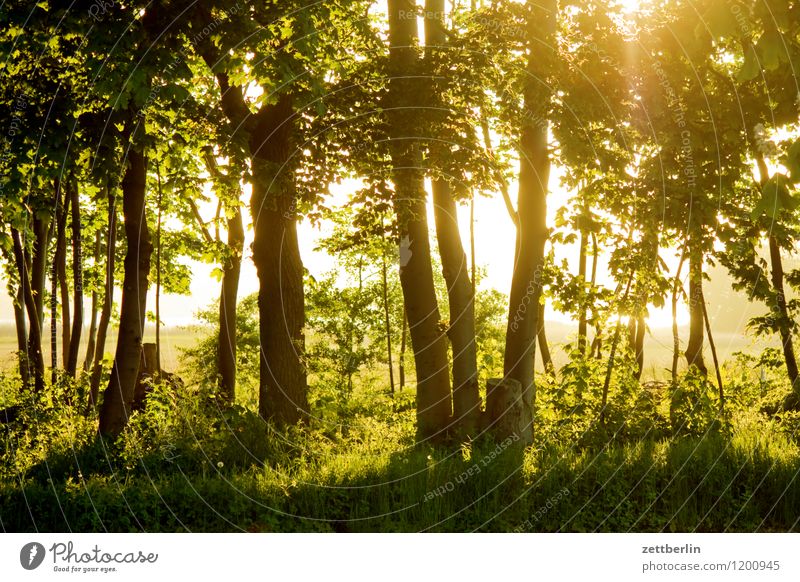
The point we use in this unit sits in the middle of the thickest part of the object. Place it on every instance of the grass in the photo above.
(186, 465)
(248, 477)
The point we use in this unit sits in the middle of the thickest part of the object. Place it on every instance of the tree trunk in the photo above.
(582, 310)
(283, 390)
(676, 340)
(460, 289)
(60, 214)
(77, 283)
(403, 342)
(461, 329)
(386, 319)
(92, 339)
(416, 273)
(59, 270)
(108, 302)
(544, 346)
(638, 345)
(22, 335)
(713, 347)
(694, 348)
(526, 283)
(38, 273)
(34, 347)
(158, 273)
(612, 354)
(226, 347)
(118, 395)
(785, 321)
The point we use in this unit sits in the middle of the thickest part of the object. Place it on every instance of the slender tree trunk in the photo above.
(283, 392)
(108, 302)
(386, 320)
(60, 213)
(776, 278)
(544, 346)
(92, 339)
(59, 270)
(38, 272)
(226, 348)
(526, 283)
(676, 340)
(638, 344)
(713, 347)
(785, 320)
(403, 343)
(416, 273)
(22, 335)
(612, 353)
(34, 347)
(124, 373)
(77, 283)
(66, 312)
(582, 312)
(694, 348)
(158, 272)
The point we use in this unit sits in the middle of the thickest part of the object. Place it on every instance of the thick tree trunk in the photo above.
(694, 348)
(461, 329)
(416, 273)
(283, 391)
(460, 289)
(34, 346)
(226, 347)
(119, 393)
(108, 302)
(92, 339)
(77, 284)
(526, 283)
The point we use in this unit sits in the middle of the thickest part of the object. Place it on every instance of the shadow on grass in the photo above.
(714, 483)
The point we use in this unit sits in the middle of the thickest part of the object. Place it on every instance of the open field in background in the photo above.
(172, 339)
(658, 346)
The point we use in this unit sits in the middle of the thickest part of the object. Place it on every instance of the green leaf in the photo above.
(720, 20)
(792, 161)
(750, 68)
(770, 49)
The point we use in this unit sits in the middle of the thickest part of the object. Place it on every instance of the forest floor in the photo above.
(368, 476)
